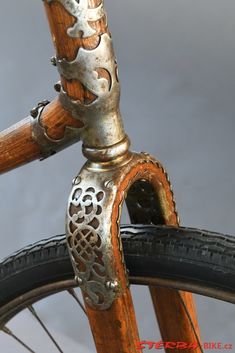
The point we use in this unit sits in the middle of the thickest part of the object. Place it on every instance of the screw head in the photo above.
(57, 86)
(77, 180)
(53, 60)
(78, 280)
(112, 285)
(109, 184)
(34, 112)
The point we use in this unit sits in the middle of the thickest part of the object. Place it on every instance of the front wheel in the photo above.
(182, 258)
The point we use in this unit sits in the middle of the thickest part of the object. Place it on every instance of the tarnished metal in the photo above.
(89, 235)
(84, 16)
(49, 146)
(36, 110)
(96, 69)
(109, 153)
(95, 203)
(102, 121)
(93, 219)
(84, 69)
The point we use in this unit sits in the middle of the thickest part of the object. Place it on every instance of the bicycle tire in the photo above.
(182, 258)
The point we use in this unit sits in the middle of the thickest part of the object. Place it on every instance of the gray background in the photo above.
(176, 63)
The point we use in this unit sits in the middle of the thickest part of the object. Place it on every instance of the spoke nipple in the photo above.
(78, 280)
(112, 285)
(57, 86)
(53, 61)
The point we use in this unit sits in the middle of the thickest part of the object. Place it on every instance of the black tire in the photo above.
(182, 258)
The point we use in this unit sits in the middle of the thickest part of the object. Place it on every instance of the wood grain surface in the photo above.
(17, 146)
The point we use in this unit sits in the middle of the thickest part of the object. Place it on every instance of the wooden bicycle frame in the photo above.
(89, 111)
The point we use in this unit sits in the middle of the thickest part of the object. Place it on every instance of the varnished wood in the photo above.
(67, 47)
(55, 119)
(172, 308)
(17, 146)
(175, 311)
(115, 330)
(174, 323)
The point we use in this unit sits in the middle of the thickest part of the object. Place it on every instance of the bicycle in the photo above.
(37, 114)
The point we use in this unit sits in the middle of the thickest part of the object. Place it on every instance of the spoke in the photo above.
(10, 333)
(74, 295)
(191, 322)
(34, 313)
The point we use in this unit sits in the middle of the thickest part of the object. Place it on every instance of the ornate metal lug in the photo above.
(96, 70)
(36, 110)
(93, 217)
(83, 15)
(48, 145)
(101, 118)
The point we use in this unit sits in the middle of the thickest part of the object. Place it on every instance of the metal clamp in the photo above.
(48, 145)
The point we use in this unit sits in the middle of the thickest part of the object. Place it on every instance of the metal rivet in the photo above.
(109, 183)
(78, 280)
(112, 285)
(77, 180)
(34, 112)
(43, 103)
(57, 86)
(53, 61)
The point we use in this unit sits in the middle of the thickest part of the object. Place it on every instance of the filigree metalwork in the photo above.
(84, 16)
(101, 117)
(96, 69)
(48, 145)
(88, 238)
(93, 219)
(84, 68)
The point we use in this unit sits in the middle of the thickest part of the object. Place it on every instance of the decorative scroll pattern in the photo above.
(84, 240)
(101, 117)
(96, 70)
(93, 219)
(83, 15)
(89, 238)
(84, 67)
